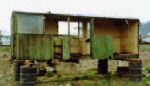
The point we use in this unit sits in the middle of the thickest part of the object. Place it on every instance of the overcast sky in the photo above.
(107, 8)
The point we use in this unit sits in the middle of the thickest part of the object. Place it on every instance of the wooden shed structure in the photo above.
(42, 36)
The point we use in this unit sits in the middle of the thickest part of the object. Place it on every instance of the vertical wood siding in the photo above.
(35, 46)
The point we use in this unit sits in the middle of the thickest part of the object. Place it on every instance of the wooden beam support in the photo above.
(78, 29)
(92, 28)
(68, 52)
(68, 19)
(91, 34)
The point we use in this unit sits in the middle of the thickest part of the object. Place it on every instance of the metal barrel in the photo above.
(122, 71)
(17, 65)
(103, 66)
(135, 70)
(28, 76)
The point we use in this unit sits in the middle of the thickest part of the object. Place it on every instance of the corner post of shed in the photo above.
(91, 33)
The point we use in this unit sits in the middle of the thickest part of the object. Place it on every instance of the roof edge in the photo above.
(72, 15)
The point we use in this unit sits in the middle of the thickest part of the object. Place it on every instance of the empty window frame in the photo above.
(75, 28)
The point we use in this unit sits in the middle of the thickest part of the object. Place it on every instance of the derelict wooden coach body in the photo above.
(36, 36)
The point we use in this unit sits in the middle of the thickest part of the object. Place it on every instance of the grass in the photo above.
(49, 74)
(5, 49)
(89, 78)
(144, 48)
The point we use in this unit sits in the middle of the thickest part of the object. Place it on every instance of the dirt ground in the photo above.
(87, 78)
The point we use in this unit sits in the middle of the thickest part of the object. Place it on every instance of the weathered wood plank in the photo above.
(33, 46)
(66, 48)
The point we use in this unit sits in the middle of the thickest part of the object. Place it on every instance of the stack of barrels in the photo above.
(135, 70)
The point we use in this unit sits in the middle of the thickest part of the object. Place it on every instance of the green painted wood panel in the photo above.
(35, 46)
(110, 46)
(30, 24)
(66, 48)
(102, 47)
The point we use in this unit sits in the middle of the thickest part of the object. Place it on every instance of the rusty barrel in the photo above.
(28, 76)
(135, 70)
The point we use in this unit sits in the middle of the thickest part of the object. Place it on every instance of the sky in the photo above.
(105, 8)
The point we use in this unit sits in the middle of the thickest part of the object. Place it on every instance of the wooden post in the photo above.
(92, 28)
(91, 34)
(84, 38)
(78, 29)
(68, 19)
